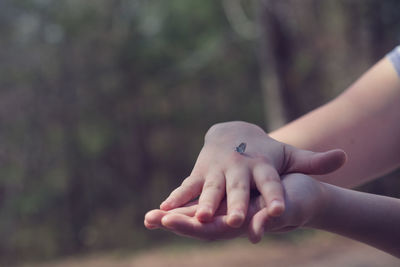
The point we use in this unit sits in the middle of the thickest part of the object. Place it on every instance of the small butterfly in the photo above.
(241, 148)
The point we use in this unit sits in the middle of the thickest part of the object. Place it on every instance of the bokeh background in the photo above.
(104, 104)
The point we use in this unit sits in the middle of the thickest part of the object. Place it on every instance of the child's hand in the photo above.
(304, 199)
(219, 169)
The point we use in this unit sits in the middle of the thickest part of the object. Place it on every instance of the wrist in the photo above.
(321, 201)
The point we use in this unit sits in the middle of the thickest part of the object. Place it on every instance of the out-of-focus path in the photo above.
(321, 249)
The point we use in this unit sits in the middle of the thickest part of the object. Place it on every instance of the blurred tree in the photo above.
(99, 101)
(305, 46)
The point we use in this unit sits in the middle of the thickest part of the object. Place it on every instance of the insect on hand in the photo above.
(241, 148)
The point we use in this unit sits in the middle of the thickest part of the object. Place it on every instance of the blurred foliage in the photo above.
(104, 105)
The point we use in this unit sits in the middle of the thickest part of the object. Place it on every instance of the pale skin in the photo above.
(363, 121)
(219, 169)
(368, 218)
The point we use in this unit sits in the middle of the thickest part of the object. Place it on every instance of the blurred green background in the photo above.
(104, 104)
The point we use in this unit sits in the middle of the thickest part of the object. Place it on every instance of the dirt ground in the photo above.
(320, 249)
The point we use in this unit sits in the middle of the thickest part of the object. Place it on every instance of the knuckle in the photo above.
(238, 185)
(267, 181)
(272, 188)
(238, 205)
(213, 185)
(271, 180)
(272, 192)
(263, 174)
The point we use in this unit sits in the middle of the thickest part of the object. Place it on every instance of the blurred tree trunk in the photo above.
(272, 53)
(311, 50)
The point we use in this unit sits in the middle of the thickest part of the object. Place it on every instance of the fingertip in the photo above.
(256, 240)
(255, 235)
(257, 226)
(333, 160)
(236, 219)
(152, 219)
(150, 226)
(342, 156)
(253, 238)
(166, 205)
(259, 234)
(338, 151)
(204, 214)
(149, 216)
(276, 208)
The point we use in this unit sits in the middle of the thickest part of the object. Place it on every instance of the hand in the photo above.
(182, 221)
(219, 169)
(304, 199)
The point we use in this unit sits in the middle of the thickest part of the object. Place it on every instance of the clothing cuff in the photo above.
(394, 57)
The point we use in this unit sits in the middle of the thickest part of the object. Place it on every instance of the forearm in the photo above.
(368, 218)
(363, 121)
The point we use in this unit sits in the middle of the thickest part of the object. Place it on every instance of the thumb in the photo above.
(308, 162)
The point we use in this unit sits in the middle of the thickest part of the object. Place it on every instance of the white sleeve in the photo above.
(394, 57)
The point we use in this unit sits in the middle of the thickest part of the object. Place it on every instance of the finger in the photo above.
(190, 226)
(262, 222)
(269, 185)
(152, 219)
(238, 194)
(255, 205)
(190, 188)
(256, 226)
(211, 196)
(186, 210)
(308, 162)
(150, 226)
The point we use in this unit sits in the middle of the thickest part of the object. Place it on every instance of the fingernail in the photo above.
(236, 219)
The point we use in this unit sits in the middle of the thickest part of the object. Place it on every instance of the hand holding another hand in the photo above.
(304, 200)
(220, 170)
